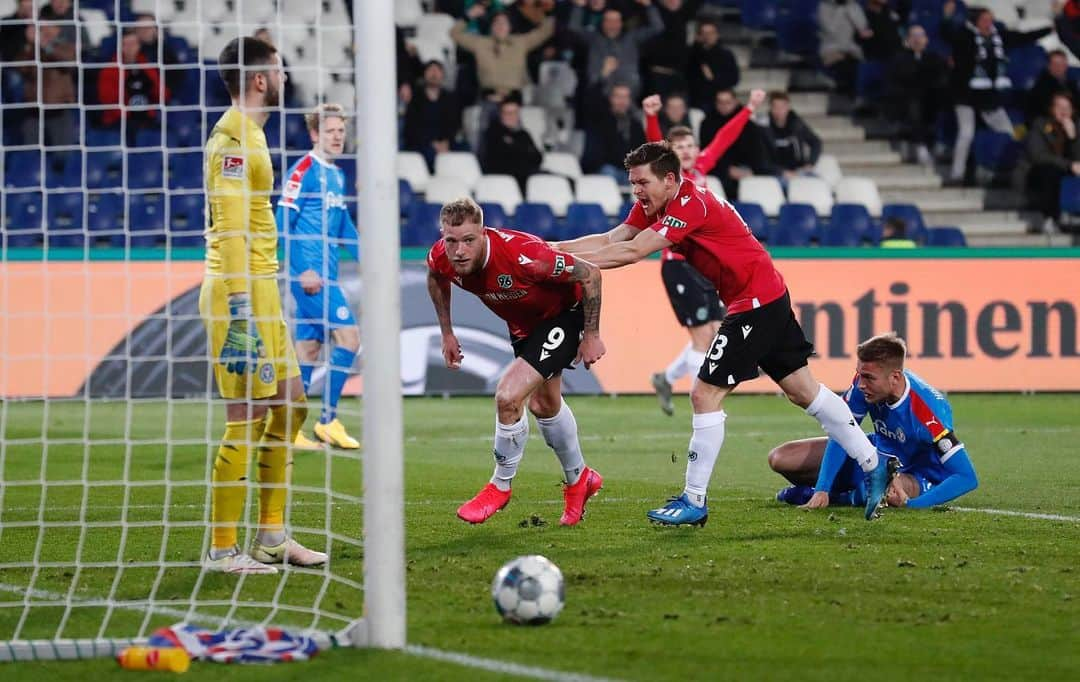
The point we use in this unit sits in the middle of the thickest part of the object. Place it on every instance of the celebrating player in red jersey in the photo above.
(551, 304)
(692, 297)
(759, 329)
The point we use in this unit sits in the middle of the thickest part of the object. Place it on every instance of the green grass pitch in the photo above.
(764, 591)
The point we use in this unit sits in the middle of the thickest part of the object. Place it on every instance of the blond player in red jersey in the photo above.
(551, 304)
(759, 329)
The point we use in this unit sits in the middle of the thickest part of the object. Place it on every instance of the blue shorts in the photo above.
(315, 313)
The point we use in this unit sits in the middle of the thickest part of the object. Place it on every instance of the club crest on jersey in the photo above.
(560, 266)
(232, 166)
(266, 373)
(672, 221)
(505, 281)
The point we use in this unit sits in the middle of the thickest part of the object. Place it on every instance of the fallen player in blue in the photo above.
(912, 425)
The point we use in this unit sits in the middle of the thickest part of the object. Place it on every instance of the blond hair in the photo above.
(460, 211)
(328, 110)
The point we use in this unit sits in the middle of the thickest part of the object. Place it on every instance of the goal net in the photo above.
(110, 419)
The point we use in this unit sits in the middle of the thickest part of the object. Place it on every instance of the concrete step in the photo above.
(839, 149)
(742, 55)
(978, 222)
(840, 135)
(864, 158)
(766, 79)
(894, 184)
(822, 122)
(954, 200)
(1020, 239)
(807, 104)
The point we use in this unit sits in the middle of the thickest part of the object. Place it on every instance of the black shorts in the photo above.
(768, 337)
(553, 345)
(693, 298)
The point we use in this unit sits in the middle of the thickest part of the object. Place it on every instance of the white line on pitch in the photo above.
(1026, 515)
(141, 608)
(502, 667)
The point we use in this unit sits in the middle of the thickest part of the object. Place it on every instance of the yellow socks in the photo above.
(284, 423)
(230, 479)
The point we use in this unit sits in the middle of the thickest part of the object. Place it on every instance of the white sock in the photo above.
(560, 433)
(694, 360)
(835, 417)
(677, 369)
(509, 449)
(704, 449)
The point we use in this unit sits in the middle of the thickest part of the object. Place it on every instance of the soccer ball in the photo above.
(528, 590)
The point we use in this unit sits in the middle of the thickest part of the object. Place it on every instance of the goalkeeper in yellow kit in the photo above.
(254, 362)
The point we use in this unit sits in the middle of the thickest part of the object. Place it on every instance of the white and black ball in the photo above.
(528, 590)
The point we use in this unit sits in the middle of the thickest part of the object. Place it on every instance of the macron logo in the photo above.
(684, 199)
(523, 259)
(746, 330)
(712, 367)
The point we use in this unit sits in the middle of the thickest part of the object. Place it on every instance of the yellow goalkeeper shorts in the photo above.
(280, 360)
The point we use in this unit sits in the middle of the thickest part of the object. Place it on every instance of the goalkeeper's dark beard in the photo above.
(272, 97)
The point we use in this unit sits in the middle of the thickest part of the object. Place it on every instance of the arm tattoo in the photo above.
(439, 291)
(589, 276)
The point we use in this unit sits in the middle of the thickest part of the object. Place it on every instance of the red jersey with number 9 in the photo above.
(713, 237)
(523, 281)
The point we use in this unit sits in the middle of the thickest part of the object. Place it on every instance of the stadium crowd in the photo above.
(511, 81)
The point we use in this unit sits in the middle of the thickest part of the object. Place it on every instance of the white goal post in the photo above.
(105, 474)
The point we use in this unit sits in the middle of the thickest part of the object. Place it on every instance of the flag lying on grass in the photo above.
(241, 645)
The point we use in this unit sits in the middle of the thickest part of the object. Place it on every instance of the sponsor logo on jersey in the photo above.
(560, 266)
(232, 166)
(334, 200)
(504, 296)
(898, 435)
(672, 221)
(505, 281)
(292, 189)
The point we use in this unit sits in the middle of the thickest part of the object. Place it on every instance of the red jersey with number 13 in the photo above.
(523, 280)
(716, 241)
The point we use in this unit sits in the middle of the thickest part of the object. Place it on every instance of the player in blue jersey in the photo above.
(913, 425)
(315, 224)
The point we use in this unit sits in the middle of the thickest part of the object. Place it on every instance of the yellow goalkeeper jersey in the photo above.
(241, 235)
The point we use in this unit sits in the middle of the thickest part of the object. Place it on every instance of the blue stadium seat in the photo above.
(188, 92)
(102, 137)
(910, 213)
(1070, 195)
(183, 128)
(104, 169)
(185, 170)
(296, 132)
(23, 218)
(144, 170)
(186, 222)
(22, 169)
(536, 218)
(870, 80)
(216, 94)
(796, 27)
(759, 14)
(422, 227)
(754, 217)
(494, 215)
(406, 197)
(585, 218)
(1025, 64)
(184, 51)
(146, 220)
(850, 218)
(625, 210)
(64, 224)
(150, 137)
(839, 234)
(945, 236)
(796, 225)
(348, 165)
(105, 214)
(996, 152)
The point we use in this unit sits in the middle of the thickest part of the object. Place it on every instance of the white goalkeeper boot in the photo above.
(236, 563)
(288, 552)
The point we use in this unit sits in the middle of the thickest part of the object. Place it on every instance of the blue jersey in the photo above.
(313, 220)
(918, 431)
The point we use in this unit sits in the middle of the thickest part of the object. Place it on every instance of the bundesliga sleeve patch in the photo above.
(232, 166)
(672, 221)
